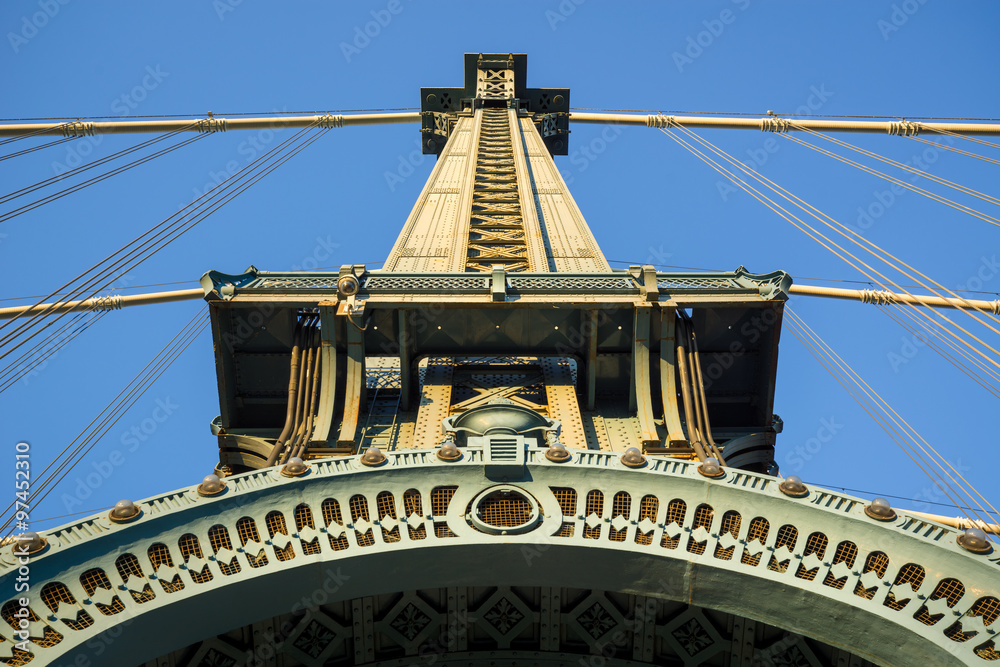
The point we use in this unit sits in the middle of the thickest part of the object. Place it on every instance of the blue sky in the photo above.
(344, 199)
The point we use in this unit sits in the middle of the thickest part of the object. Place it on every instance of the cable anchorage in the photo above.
(775, 124)
(878, 297)
(329, 121)
(659, 121)
(903, 128)
(107, 303)
(211, 124)
(78, 129)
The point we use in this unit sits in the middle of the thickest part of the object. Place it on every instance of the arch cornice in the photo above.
(612, 543)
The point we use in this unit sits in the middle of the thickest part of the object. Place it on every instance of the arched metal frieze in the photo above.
(752, 551)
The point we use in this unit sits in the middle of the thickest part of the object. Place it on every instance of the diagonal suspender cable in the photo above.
(958, 150)
(854, 238)
(840, 375)
(166, 232)
(941, 130)
(37, 132)
(97, 179)
(36, 148)
(90, 165)
(892, 179)
(931, 455)
(36, 355)
(114, 411)
(894, 163)
(826, 242)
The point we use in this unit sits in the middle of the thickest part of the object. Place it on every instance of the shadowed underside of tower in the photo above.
(496, 450)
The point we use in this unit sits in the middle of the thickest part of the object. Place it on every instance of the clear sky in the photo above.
(344, 199)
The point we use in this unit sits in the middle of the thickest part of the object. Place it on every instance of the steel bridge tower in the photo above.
(497, 450)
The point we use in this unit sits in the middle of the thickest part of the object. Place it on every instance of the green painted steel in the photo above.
(804, 573)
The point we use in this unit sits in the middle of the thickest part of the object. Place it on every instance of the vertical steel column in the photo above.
(640, 387)
(328, 369)
(354, 388)
(668, 377)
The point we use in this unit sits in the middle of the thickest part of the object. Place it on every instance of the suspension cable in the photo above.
(826, 242)
(74, 452)
(85, 167)
(97, 179)
(167, 231)
(38, 354)
(36, 148)
(930, 455)
(900, 165)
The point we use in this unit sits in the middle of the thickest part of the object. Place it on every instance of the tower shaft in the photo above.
(495, 196)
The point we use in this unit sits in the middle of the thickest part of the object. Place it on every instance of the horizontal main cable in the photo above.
(84, 167)
(775, 124)
(210, 124)
(96, 179)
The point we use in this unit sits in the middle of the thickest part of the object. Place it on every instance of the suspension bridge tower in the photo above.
(497, 450)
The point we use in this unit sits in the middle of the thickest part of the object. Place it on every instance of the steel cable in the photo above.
(826, 242)
(36, 148)
(90, 165)
(167, 233)
(119, 405)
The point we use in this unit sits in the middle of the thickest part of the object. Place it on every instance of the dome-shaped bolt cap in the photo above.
(880, 510)
(633, 458)
(348, 285)
(710, 468)
(211, 486)
(29, 544)
(793, 487)
(294, 467)
(557, 453)
(124, 511)
(449, 451)
(373, 457)
(974, 540)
